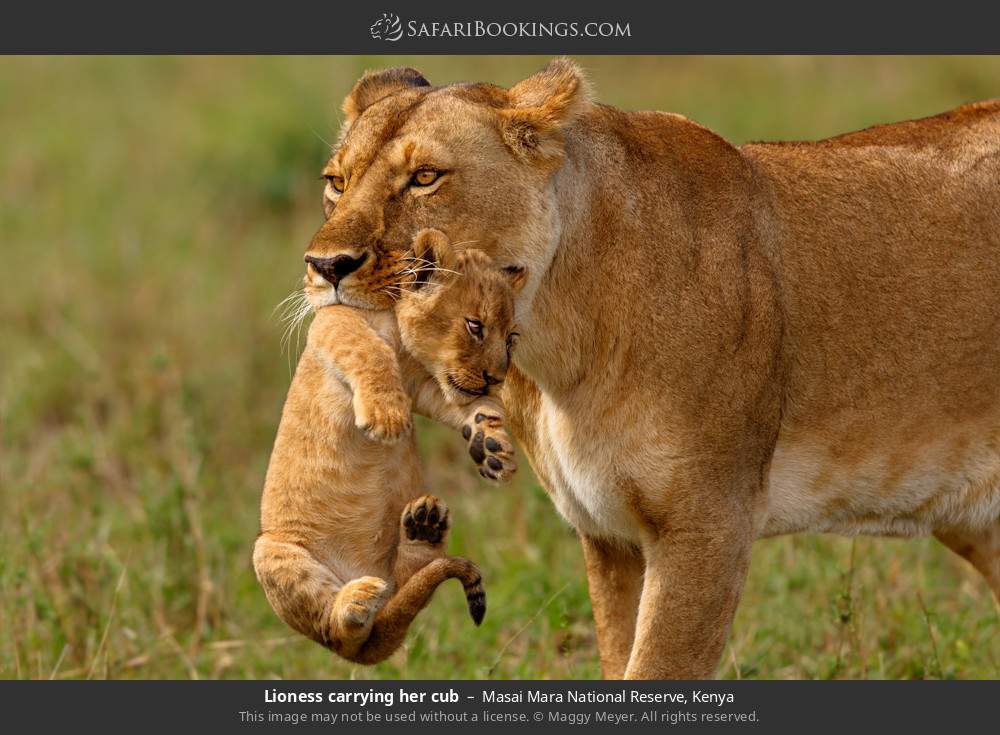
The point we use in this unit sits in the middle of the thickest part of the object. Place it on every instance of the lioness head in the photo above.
(457, 320)
(473, 160)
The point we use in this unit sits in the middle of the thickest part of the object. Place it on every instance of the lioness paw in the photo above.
(383, 416)
(426, 519)
(490, 446)
(359, 601)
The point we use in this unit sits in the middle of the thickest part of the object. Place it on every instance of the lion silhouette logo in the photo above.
(387, 28)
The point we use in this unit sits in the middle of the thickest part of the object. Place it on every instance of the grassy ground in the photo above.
(152, 213)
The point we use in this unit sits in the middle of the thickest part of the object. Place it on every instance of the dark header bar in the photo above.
(511, 27)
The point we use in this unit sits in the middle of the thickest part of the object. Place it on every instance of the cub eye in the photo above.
(512, 340)
(475, 328)
(337, 182)
(425, 177)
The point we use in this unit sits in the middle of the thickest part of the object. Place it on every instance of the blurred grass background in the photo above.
(153, 211)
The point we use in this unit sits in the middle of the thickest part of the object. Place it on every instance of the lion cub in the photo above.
(351, 549)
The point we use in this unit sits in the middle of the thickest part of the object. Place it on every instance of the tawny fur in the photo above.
(350, 547)
(721, 342)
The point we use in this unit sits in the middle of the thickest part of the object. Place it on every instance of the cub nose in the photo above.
(338, 267)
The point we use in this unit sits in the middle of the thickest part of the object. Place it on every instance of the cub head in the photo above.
(457, 318)
(474, 160)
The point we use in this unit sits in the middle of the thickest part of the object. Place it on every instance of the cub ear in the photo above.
(375, 85)
(516, 275)
(436, 256)
(541, 107)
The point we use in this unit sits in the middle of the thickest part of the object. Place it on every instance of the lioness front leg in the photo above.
(695, 569)
(614, 579)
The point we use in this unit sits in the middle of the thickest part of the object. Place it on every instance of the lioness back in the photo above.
(888, 268)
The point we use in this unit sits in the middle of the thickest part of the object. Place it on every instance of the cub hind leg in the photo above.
(423, 536)
(980, 548)
(421, 566)
(307, 595)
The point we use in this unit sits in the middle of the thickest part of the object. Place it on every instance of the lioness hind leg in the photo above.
(980, 548)
(423, 536)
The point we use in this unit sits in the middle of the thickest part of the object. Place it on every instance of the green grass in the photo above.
(152, 213)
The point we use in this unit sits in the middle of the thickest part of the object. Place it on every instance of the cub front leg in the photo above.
(481, 424)
(368, 365)
(490, 447)
(382, 413)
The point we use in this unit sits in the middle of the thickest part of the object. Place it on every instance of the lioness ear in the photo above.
(375, 85)
(541, 107)
(517, 276)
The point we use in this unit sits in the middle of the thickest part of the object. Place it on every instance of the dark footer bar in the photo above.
(415, 706)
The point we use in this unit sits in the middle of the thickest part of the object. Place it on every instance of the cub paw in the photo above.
(426, 519)
(359, 601)
(383, 416)
(490, 446)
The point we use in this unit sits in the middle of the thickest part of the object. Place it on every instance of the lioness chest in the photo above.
(577, 468)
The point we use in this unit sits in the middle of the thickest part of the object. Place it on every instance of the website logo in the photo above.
(387, 28)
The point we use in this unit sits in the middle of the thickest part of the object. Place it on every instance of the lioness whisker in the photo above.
(322, 139)
(296, 308)
(432, 268)
(290, 303)
(418, 260)
(438, 269)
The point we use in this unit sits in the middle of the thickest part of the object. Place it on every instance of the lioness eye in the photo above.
(475, 327)
(425, 177)
(337, 182)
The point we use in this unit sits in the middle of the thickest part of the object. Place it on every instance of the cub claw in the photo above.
(361, 599)
(426, 519)
(490, 447)
(383, 417)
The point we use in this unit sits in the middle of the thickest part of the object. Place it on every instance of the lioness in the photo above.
(721, 342)
(350, 548)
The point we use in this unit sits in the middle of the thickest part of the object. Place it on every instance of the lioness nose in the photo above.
(337, 268)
